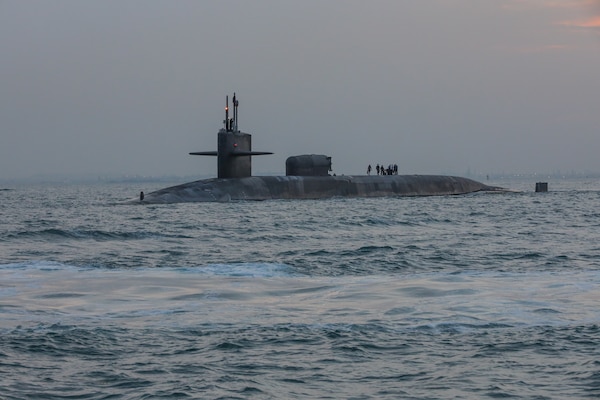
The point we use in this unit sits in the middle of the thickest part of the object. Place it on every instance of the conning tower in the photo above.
(234, 148)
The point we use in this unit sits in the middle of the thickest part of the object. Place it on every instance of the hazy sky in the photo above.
(436, 86)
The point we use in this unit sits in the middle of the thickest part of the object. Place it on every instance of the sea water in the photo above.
(473, 296)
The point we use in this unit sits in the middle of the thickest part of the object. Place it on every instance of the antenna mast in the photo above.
(226, 122)
(235, 113)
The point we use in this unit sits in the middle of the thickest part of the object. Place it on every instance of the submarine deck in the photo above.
(315, 187)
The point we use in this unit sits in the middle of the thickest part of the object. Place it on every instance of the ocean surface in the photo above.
(481, 296)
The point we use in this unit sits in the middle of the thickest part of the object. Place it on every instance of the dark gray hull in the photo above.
(315, 187)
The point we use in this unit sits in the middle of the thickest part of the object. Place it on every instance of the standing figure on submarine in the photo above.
(307, 177)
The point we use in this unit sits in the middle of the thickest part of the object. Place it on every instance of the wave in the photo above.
(83, 234)
(42, 265)
(264, 270)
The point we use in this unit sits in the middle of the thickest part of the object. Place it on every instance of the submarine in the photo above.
(307, 177)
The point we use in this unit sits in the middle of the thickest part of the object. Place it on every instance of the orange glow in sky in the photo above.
(588, 23)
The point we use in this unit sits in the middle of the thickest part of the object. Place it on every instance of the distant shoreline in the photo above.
(89, 179)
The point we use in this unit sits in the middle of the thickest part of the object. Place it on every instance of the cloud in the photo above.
(590, 7)
(593, 23)
(579, 14)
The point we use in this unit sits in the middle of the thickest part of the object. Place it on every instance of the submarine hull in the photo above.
(314, 187)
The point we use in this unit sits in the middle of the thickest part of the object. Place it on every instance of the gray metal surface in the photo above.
(315, 187)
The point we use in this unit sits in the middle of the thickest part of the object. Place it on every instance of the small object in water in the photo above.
(141, 196)
(541, 186)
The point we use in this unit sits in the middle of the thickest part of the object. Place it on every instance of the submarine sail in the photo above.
(234, 148)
